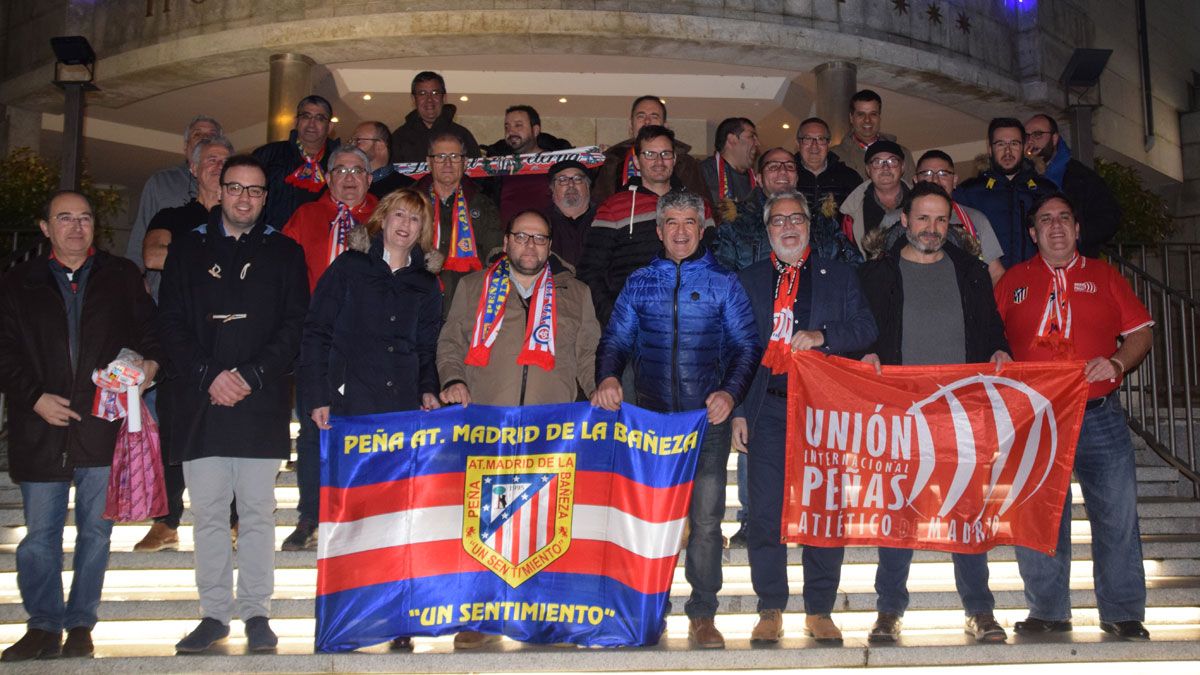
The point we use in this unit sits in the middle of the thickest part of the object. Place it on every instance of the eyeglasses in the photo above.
(808, 140)
(651, 155)
(1037, 134)
(523, 238)
(68, 219)
(236, 189)
(356, 140)
(570, 180)
(779, 166)
(782, 219)
(342, 171)
(930, 174)
(1011, 145)
(429, 93)
(880, 162)
(305, 117)
(446, 158)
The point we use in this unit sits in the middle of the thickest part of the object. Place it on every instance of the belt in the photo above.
(1097, 402)
(781, 393)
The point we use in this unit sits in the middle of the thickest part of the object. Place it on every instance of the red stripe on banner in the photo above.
(651, 504)
(384, 565)
(340, 505)
(514, 546)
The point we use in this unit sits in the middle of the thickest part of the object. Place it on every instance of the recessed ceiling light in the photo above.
(464, 98)
(562, 100)
(333, 119)
(786, 125)
(366, 97)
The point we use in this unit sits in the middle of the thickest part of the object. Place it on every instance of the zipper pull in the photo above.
(64, 460)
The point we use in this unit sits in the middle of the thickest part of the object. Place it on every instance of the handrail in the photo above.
(1161, 395)
(1177, 264)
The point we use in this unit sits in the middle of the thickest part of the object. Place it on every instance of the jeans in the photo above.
(40, 553)
(308, 468)
(970, 578)
(1104, 467)
(768, 555)
(704, 547)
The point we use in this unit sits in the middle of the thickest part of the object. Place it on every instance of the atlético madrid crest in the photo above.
(517, 512)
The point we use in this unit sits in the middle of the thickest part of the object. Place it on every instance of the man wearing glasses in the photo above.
(296, 167)
(373, 138)
(430, 117)
(878, 200)
(1006, 189)
(571, 209)
(823, 178)
(232, 304)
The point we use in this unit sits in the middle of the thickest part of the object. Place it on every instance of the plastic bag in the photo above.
(136, 490)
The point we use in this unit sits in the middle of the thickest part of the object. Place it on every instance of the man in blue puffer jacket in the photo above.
(687, 325)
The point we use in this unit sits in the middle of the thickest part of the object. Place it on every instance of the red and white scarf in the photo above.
(461, 256)
(538, 349)
(779, 347)
(1054, 330)
(309, 175)
(631, 170)
(724, 189)
(339, 229)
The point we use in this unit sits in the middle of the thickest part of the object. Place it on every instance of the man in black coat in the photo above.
(63, 315)
(430, 116)
(296, 168)
(231, 308)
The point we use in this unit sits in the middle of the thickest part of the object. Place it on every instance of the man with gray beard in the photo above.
(572, 211)
(933, 304)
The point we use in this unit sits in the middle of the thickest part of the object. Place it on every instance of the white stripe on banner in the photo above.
(440, 523)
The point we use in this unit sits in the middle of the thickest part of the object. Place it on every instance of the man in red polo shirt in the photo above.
(1060, 305)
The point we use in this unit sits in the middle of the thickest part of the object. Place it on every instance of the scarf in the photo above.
(779, 347)
(308, 176)
(339, 228)
(1054, 330)
(724, 189)
(631, 170)
(461, 256)
(538, 347)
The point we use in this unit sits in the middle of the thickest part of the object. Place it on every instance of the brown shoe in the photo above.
(161, 537)
(470, 639)
(984, 628)
(78, 644)
(821, 628)
(769, 627)
(886, 628)
(35, 644)
(703, 634)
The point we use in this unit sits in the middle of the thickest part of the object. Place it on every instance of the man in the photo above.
(800, 301)
(322, 228)
(932, 304)
(296, 168)
(866, 113)
(623, 236)
(430, 117)
(878, 200)
(823, 178)
(729, 174)
(1061, 305)
(937, 167)
(373, 138)
(1006, 190)
(502, 369)
(63, 315)
(466, 225)
(172, 186)
(233, 303)
(686, 325)
(522, 135)
(1099, 213)
(571, 209)
(620, 165)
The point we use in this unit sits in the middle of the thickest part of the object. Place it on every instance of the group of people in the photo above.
(657, 279)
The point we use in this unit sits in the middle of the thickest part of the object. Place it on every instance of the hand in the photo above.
(228, 389)
(719, 404)
(56, 410)
(430, 402)
(609, 394)
(1101, 368)
(741, 434)
(321, 417)
(873, 359)
(455, 393)
(150, 368)
(1000, 358)
(807, 339)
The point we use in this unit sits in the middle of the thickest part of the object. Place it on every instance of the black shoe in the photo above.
(984, 628)
(206, 634)
(401, 644)
(301, 538)
(1035, 626)
(739, 537)
(78, 644)
(886, 628)
(1126, 630)
(259, 636)
(35, 644)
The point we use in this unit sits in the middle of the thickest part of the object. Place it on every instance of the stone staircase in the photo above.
(149, 602)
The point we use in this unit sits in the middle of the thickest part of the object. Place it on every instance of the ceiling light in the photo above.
(786, 125)
(366, 97)
(464, 98)
(333, 119)
(562, 100)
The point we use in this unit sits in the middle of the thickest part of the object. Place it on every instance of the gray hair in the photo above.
(349, 150)
(187, 131)
(206, 142)
(784, 196)
(678, 200)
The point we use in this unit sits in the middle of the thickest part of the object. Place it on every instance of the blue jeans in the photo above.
(970, 578)
(768, 555)
(40, 553)
(1104, 467)
(308, 468)
(705, 548)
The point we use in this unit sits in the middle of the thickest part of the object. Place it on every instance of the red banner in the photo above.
(950, 458)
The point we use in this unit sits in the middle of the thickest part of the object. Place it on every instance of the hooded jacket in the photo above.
(1006, 204)
(410, 140)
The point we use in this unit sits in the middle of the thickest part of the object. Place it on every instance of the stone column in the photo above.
(291, 80)
(20, 128)
(836, 83)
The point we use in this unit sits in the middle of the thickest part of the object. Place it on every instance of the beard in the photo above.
(925, 242)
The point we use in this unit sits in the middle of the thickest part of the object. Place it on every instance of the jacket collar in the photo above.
(469, 187)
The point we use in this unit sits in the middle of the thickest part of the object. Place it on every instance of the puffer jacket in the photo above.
(688, 329)
(1006, 204)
